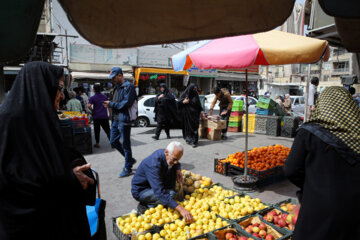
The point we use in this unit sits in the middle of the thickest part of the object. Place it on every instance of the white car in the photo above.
(298, 105)
(146, 115)
(209, 99)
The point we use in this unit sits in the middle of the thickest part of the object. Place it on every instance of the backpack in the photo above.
(133, 111)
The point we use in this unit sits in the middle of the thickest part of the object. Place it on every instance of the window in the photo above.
(252, 101)
(302, 100)
(150, 102)
(296, 101)
(341, 66)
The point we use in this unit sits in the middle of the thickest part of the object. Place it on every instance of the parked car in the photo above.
(146, 115)
(298, 105)
(209, 99)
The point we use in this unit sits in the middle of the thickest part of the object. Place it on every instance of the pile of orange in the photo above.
(262, 158)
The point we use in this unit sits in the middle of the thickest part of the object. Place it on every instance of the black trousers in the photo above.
(225, 117)
(160, 126)
(104, 123)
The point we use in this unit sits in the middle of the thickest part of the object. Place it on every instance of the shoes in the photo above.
(194, 145)
(97, 145)
(155, 137)
(125, 173)
(168, 137)
(223, 137)
(141, 208)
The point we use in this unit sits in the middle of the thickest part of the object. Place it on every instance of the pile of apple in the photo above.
(193, 181)
(287, 207)
(281, 219)
(259, 230)
(233, 236)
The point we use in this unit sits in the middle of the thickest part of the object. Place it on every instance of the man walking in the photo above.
(312, 96)
(100, 114)
(225, 104)
(123, 99)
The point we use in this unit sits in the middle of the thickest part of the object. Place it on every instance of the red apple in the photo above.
(262, 226)
(262, 233)
(282, 223)
(242, 238)
(233, 238)
(291, 207)
(250, 227)
(229, 235)
(273, 212)
(294, 219)
(269, 237)
(248, 230)
(276, 219)
(284, 216)
(256, 224)
(256, 229)
(270, 218)
(256, 235)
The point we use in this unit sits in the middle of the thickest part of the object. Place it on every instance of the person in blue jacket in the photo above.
(155, 179)
(123, 99)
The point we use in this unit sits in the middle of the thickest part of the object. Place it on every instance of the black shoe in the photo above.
(223, 137)
(194, 145)
(141, 208)
(155, 137)
(168, 137)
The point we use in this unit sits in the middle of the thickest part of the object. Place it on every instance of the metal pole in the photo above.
(247, 123)
(307, 94)
(2, 83)
(67, 49)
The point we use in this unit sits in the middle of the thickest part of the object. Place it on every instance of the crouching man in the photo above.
(155, 179)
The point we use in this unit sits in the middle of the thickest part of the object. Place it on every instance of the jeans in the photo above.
(225, 117)
(121, 132)
(104, 123)
(147, 197)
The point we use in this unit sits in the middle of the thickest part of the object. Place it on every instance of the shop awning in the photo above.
(92, 75)
(138, 71)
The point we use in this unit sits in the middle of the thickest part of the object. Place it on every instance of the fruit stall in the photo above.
(218, 212)
(265, 163)
(76, 131)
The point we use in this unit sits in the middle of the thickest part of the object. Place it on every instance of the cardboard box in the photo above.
(214, 134)
(203, 123)
(203, 132)
(221, 124)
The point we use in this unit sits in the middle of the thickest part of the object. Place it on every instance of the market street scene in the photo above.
(146, 120)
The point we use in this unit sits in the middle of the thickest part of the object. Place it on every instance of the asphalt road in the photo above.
(116, 191)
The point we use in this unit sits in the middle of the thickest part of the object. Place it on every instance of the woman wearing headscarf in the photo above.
(287, 104)
(190, 109)
(42, 182)
(324, 163)
(165, 111)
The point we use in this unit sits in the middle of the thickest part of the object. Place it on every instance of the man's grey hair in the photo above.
(72, 94)
(174, 145)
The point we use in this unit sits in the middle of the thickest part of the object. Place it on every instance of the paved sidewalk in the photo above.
(116, 191)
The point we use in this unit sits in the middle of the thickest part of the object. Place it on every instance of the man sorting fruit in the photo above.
(155, 179)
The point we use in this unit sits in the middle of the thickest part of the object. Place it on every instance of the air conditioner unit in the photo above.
(349, 80)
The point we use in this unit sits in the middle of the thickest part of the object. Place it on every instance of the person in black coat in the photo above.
(165, 111)
(190, 109)
(324, 163)
(44, 185)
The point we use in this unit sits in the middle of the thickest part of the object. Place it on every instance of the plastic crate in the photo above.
(65, 122)
(237, 108)
(266, 103)
(219, 233)
(273, 126)
(251, 125)
(234, 129)
(291, 122)
(261, 111)
(235, 118)
(235, 124)
(119, 234)
(78, 123)
(288, 132)
(236, 113)
(263, 212)
(260, 124)
(238, 103)
(81, 130)
(294, 201)
(221, 167)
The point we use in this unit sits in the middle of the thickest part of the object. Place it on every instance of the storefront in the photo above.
(236, 82)
(148, 80)
(205, 79)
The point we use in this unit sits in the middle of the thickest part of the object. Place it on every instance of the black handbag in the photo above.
(96, 214)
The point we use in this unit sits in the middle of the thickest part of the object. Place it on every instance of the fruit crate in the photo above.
(278, 233)
(268, 112)
(235, 124)
(235, 118)
(266, 103)
(221, 167)
(293, 201)
(260, 124)
(234, 129)
(273, 126)
(221, 232)
(118, 233)
(237, 106)
(78, 123)
(208, 236)
(263, 213)
(236, 113)
(65, 122)
(81, 130)
(288, 132)
(291, 122)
